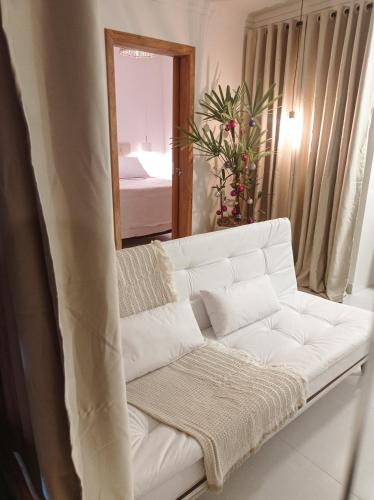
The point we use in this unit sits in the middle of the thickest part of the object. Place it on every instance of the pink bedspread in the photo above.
(145, 206)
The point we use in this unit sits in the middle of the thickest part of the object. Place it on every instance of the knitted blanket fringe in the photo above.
(165, 269)
(227, 401)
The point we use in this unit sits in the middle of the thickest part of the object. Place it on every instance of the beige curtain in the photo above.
(56, 51)
(31, 374)
(315, 172)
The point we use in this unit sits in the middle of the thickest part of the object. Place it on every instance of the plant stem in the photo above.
(221, 204)
(237, 198)
(237, 175)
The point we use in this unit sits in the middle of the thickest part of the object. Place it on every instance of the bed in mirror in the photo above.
(150, 97)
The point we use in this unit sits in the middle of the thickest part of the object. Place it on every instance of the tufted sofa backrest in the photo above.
(221, 258)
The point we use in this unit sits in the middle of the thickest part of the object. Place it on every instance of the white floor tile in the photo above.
(363, 298)
(278, 472)
(309, 458)
(323, 434)
(364, 482)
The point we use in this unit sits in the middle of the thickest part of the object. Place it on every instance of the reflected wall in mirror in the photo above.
(150, 96)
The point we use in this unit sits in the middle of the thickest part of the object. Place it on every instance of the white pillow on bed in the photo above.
(157, 337)
(130, 168)
(239, 305)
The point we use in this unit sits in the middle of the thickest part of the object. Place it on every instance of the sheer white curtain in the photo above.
(56, 50)
(315, 172)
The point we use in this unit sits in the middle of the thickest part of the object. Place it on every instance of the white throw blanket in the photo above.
(144, 278)
(229, 403)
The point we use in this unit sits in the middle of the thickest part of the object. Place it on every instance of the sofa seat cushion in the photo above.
(317, 337)
(159, 453)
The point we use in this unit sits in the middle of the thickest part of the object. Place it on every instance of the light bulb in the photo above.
(291, 124)
(293, 129)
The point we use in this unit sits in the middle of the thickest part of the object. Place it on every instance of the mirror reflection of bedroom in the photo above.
(144, 101)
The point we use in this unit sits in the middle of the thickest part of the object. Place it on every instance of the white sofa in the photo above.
(323, 340)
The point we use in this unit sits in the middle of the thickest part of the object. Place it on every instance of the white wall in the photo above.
(144, 99)
(216, 29)
(362, 268)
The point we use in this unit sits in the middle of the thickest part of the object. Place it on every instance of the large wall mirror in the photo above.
(151, 97)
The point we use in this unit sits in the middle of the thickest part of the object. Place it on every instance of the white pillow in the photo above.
(157, 337)
(243, 303)
(130, 168)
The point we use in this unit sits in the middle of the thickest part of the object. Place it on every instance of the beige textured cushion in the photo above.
(144, 279)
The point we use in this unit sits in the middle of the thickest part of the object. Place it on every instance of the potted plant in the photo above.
(230, 132)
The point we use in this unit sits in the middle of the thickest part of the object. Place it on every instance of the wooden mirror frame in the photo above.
(183, 110)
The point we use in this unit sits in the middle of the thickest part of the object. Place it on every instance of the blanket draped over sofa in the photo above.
(228, 402)
(144, 278)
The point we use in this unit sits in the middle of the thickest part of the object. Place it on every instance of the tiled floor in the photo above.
(364, 480)
(308, 460)
(364, 298)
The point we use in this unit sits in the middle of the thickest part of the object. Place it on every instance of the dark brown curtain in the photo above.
(31, 372)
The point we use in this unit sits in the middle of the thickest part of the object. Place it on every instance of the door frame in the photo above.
(183, 110)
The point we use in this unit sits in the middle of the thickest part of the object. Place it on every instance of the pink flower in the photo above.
(218, 212)
(241, 188)
(233, 192)
(234, 212)
(250, 220)
(245, 157)
(224, 208)
(230, 125)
